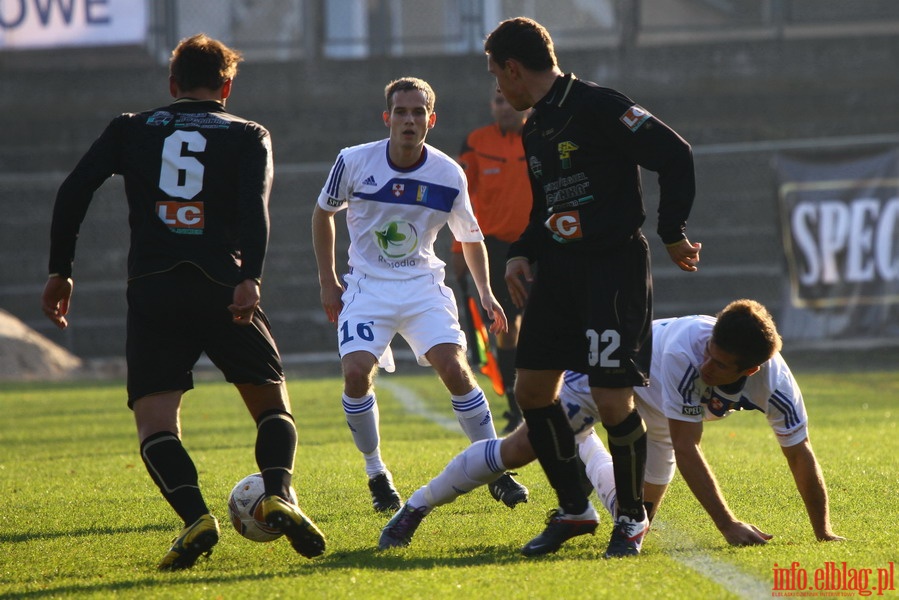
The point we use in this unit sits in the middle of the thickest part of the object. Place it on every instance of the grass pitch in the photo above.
(81, 517)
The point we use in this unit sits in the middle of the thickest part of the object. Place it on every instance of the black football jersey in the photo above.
(584, 146)
(197, 180)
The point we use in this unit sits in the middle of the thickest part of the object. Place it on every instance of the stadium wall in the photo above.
(736, 102)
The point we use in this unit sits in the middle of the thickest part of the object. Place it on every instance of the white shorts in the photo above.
(583, 414)
(422, 310)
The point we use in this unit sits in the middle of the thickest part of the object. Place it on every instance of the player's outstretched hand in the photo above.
(246, 300)
(684, 254)
(56, 298)
(518, 270)
(745, 534)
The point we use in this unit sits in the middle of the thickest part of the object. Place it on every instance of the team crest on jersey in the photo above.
(536, 166)
(635, 117)
(565, 150)
(399, 189)
(396, 240)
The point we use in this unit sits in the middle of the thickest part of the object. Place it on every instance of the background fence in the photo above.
(740, 80)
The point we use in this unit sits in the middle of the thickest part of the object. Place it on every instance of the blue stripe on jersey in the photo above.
(468, 405)
(336, 176)
(490, 453)
(413, 192)
(355, 409)
(686, 383)
(782, 403)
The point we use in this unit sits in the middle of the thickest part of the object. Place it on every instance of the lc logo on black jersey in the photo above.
(182, 217)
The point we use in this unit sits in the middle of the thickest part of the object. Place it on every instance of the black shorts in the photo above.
(590, 311)
(175, 316)
(497, 253)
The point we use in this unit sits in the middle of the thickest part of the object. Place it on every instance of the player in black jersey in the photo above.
(197, 180)
(590, 305)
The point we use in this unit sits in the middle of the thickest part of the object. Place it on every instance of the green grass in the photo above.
(81, 517)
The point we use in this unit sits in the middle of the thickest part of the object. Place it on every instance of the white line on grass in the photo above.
(683, 551)
(412, 402)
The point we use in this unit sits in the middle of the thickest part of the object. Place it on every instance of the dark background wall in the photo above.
(737, 102)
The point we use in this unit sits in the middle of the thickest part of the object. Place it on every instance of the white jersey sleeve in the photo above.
(783, 404)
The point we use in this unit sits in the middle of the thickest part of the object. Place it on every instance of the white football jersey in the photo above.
(394, 214)
(676, 389)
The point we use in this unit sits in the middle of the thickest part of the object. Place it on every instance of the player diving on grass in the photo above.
(702, 369)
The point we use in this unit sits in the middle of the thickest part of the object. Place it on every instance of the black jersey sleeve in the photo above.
(75, 194)
(255, 187)
(658, 148)
(528, 242)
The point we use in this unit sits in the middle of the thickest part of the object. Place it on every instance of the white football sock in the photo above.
(477, 465)
(362, 416)
(599, 469)
(473, 414)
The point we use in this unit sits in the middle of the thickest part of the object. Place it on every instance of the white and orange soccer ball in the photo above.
(245, 509)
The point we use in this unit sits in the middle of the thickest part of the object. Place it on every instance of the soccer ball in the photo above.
(245, 509)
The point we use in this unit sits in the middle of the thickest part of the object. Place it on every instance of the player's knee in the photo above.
(358, 373)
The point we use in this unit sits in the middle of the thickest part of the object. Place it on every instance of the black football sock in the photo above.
(174, 473)
(276, 446)
(627, 445)
(505, 357)
(552, 438)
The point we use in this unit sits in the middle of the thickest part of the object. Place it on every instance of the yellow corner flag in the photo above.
(489, 367)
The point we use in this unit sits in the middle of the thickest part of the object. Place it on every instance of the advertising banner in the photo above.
(28, 24)
(840, 224)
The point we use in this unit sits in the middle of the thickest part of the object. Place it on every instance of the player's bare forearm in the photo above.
(476, 260)
(691, 463)
(324, 240)
(810, 482)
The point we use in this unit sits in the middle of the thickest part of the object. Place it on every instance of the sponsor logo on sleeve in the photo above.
(635, 117)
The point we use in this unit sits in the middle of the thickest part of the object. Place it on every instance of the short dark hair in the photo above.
(746, 329)
(202, 62)
(524, 40)
(408, 84)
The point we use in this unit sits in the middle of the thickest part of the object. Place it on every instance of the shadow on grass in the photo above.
(30, 536)
(368, 559)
